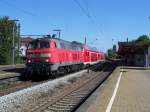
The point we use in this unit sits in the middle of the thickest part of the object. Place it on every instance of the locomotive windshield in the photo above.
(38, 44)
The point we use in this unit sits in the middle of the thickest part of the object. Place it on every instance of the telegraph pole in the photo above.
(13, 55)
(18, 34)
(13, 41)
(85, 40)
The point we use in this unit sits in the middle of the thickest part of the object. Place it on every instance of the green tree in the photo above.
(143, 39)
(111, 54)
(114, 48)
(6, 33)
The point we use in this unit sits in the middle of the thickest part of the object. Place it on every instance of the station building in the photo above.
(134, 54)
(23, 45)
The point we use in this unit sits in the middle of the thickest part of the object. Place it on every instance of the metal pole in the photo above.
(85, 41)
(88, 69)
(18, 36)
(13, 39)
(13, 44)
(59, 34)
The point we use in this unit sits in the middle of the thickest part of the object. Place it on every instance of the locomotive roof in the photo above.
(48, 39)
(74, 43)
(89, 47)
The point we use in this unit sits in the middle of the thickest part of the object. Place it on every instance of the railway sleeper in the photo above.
(54, 109)
(62, 105)
(75, 99)
(66, 103)
(70, 100)
(80, 93)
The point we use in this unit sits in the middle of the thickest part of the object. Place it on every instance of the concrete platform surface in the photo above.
(132, 94)
(2, 67)
(11, 70)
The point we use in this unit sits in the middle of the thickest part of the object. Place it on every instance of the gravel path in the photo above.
(18, 101)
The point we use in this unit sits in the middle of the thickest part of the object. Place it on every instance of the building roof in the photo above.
(25, 39)
(131, 47)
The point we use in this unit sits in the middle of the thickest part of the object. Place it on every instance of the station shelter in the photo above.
(134, 54)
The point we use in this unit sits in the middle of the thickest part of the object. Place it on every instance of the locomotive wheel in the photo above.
(75, 67)
(54, 74)
(62, 71)
(68, 70)
(28, 75)
(81, 67)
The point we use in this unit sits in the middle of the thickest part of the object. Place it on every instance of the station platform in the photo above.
(126, 90)
(7, 71)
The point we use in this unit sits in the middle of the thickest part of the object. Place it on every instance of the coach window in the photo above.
(87, 53)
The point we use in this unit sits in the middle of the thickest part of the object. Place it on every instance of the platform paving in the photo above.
(11, 70)
(133, 93)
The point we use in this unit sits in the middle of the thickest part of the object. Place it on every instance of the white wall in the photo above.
(23, 50)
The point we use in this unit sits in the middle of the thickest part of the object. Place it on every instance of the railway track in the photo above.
(7, 81)
(14, 83)
(11, 78)
(16, 87)
(71, 97)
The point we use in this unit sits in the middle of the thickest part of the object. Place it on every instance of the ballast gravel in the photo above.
(19, 100)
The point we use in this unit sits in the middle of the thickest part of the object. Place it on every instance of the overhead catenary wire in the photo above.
(89, 16)
(87, 13)
(16, 7)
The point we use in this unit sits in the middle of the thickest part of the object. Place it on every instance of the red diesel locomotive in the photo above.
(54, 56)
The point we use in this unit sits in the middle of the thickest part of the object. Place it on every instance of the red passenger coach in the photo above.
(91, 55)
(52, 55)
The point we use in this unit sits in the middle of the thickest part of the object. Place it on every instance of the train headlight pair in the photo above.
(45, 55)
(42, 55)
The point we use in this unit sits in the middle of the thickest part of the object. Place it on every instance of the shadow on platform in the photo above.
(14, 70)
(134, 67)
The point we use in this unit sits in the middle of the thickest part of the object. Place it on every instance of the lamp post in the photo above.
(13, 41)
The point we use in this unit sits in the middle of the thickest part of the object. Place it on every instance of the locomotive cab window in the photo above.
(38, 44)
(32, 45)
(44, 44)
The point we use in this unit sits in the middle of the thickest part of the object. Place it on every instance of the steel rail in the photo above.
(69, 101)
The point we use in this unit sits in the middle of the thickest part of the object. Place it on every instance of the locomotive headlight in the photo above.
(29, 61)
(46, 60)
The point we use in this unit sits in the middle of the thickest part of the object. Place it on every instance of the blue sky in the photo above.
(110, 20)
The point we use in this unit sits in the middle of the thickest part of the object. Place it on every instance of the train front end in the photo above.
(38, 56)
